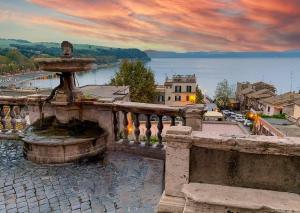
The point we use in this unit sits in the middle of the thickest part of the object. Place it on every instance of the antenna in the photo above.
(291, 75)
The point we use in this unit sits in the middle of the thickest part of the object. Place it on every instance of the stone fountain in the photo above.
(60, 134)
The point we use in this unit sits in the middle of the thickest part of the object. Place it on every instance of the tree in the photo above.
(139, 79)
(199, 96)
(223, 93)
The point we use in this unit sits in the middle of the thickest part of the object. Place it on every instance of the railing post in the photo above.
(137, 128)
(23, 117)
(183, 121)
(173, 120)
(125, 124)
(160, 127)
(3, 119)
(116, 125)
(13, 121)
(148, 130)
(194, 117)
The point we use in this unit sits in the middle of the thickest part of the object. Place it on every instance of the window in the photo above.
(269, 109)
(187, 98)
(169, 98)
(177, 98)
(177, 88)
(188, 88)
(161, 98)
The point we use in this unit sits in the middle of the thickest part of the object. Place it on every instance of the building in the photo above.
(106, 92)
(249, 95)
(293, 111)
(180, 90)
(287, 103)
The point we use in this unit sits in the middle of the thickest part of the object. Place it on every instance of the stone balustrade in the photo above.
(137, 110)
(12, 114)
(133, 127)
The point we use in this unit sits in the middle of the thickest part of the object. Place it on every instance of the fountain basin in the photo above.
(65, 65)
(57, 144)
(63, 150)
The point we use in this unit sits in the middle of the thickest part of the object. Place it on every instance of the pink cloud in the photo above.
(181, 24)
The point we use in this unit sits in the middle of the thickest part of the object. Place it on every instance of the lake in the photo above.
(209, 72)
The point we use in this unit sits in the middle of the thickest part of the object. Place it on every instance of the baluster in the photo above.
(173, 120)
(116, 125)
(137, 128)
(160, 127)
(13, 121)
(23, 117)
(148, 130)
(183, 121)
(125, 125)
(3, 119)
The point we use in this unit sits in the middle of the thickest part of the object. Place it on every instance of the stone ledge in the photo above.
(170, 204)
(249, 144)
(179, 130)
(244, 199)
(138, 149)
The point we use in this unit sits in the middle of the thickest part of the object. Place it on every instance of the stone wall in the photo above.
(233, 168)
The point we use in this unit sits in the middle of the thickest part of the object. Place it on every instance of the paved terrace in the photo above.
(120, 183)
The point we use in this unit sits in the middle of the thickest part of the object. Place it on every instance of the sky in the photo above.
(170, 25)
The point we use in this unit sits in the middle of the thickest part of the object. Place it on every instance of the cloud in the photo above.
(184, 25)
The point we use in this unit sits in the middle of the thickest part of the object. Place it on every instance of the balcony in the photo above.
(235, 171)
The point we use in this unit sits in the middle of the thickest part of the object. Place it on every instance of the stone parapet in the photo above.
(272, 145)
(210, 198)
(231, 173)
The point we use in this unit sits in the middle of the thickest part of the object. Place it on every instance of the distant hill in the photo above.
(166, 54)
(102, 54)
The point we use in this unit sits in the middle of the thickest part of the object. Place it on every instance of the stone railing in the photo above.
(263, 127)
(137, 110)
(220, 173)
(12, 114)
(130, 125)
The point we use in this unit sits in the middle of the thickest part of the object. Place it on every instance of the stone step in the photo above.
(216, 198)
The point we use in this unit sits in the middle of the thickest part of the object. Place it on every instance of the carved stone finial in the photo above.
(67, 49)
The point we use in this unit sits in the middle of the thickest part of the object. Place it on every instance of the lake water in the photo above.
(209, 72)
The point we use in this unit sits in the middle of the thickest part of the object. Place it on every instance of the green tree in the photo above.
(139, 79)
(223, 93)
(199, 96)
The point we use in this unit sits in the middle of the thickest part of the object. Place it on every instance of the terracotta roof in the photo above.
(247, 91)
(264, 93)
(284, 99)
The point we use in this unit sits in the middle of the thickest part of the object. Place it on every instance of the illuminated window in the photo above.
(187, 98)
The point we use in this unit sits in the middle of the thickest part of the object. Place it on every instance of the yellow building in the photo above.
(180, 90)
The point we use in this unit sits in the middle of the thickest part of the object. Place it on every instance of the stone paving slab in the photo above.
(120, 183)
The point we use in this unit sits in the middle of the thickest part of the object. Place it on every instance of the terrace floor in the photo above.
(120, 183)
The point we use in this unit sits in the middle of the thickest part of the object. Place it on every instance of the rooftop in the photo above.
(106, 91)
(181, 79)
(283, 99)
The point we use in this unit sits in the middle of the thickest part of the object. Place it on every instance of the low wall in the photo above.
(243, 163)
(233, 168)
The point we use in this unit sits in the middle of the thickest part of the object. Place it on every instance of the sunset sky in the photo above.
(176, 25)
